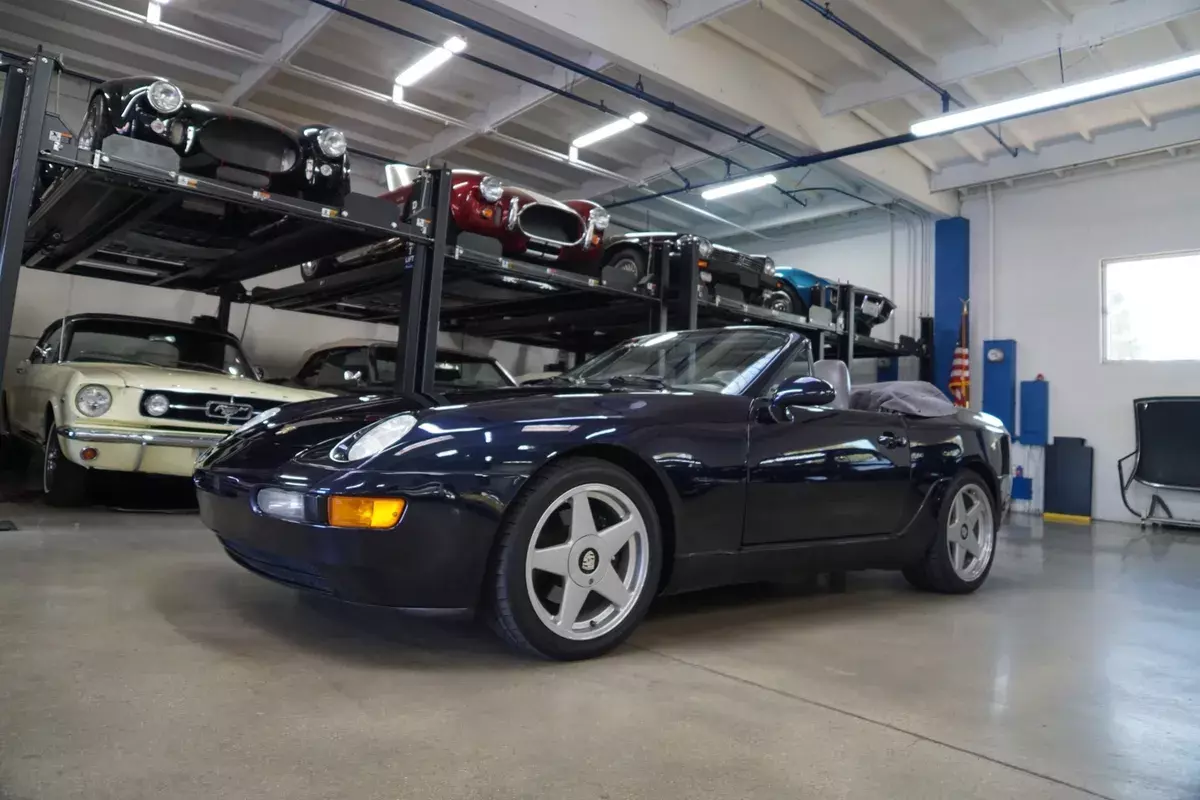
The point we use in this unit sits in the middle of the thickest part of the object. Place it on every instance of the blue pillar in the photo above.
(951, 285)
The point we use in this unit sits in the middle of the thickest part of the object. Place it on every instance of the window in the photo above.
(331, 368)
(150, 344)
(451, 371)
(1149, 307)
(49, 346)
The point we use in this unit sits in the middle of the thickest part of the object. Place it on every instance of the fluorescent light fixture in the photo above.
(423, 66)
(737, 187)
(154, 12)
(1062, 96)
(611, 129)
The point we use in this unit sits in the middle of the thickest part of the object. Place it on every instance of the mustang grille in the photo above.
(218, 409)
(556, 225)
(243, 144)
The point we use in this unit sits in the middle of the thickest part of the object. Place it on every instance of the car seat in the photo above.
(837, 375)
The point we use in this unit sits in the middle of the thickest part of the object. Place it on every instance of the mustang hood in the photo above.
(138, 377)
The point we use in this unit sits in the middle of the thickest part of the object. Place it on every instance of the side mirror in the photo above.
(258, 373)
(803, 392)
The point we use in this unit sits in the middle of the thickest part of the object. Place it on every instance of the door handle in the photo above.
(891, 441)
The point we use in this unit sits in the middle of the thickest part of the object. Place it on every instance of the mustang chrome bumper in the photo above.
(157, 438)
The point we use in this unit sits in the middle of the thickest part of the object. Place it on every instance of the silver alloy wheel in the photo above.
(587, 562)
(970, 534)
(51, 459)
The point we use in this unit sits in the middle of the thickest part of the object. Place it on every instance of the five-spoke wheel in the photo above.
(961, 555)
(579, 561)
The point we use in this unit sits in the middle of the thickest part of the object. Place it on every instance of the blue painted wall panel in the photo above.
(951, 285)
(1000, 382)
(1035, 413)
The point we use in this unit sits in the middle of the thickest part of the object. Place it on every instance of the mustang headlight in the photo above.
(599, 218)
(256, 420)
(157, 405)
(165, 97)
(332, 142)
(375, 439)
(491, 189)
(769, 266)
(93, 400)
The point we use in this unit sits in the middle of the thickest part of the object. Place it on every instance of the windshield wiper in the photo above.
(636, 380)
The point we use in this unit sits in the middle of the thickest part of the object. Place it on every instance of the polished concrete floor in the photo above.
(136, 662)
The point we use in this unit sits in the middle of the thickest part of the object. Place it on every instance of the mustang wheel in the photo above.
(63, 482)
(961, 555)
(579, 561)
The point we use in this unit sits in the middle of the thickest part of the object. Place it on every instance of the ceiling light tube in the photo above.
(422, 67)
(154, 12)
(737, 187)
(611, 129)
(1062, 96)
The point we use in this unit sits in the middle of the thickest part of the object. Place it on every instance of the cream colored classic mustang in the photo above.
(130, 394)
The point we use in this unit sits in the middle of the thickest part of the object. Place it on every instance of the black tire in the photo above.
(507, 603)
(315, 270)
(935, 572)
(628, 259)
(64, 483)
(795, 304)
(96, 125)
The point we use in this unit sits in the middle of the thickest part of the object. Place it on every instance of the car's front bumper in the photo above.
(156, 452)
(435, 558)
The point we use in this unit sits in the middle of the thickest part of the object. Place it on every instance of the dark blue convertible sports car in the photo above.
(673, 462)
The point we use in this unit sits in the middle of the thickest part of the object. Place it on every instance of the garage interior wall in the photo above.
(1042, 287)
(274, 339)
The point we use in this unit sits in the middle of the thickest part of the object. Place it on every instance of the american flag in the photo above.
(960, 366)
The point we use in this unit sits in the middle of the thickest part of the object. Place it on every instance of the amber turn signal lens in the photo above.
(364, 512)
(89, 453)
(595, 240)
(703, 264)
(487, 212)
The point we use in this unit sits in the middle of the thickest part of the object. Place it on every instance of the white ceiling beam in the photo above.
(295, 36)
(785, 63)
(393, 122)
(893, 23)
(1180, 45)
(1108, 145)
(912, 148)
(658, 166)
(689, 13)
(1139, 108)
(1082, 126)
(707, 67)
(963, 139)
(972, 17)
(502, 110)
(825, 33)
(980, 96)
(1087, 28)
(1057, 10)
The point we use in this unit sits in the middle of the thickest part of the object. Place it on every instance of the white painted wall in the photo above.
(1050, 238)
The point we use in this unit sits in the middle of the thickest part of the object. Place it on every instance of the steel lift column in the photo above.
(681, 286)
(421, 286)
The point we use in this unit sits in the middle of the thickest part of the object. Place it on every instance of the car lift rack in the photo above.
(127, 213)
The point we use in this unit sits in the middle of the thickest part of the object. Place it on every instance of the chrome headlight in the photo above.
(332, 142)
(769, 266)
(491, 189)
(599, 218)
(703, 245)
(157, 405)
(375, 439)
(257, 420)
(93, 400)
(165, 97)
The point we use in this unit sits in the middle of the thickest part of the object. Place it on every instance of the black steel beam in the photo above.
(20, 136)
(681, 285)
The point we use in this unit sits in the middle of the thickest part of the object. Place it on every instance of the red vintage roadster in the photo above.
(517, 222)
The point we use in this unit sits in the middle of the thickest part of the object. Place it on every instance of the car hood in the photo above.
(139, 377)
(217, 111)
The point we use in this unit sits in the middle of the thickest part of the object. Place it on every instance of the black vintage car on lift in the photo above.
(673, 462)
(218, 141)
(724, 272)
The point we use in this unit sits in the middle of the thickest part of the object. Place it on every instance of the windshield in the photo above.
(452, 371)
(724, 361)
(155, 345)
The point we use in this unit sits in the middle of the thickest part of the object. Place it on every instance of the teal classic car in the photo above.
(798, 290)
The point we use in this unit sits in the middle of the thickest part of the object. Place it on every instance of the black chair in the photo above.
(1167, 454)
